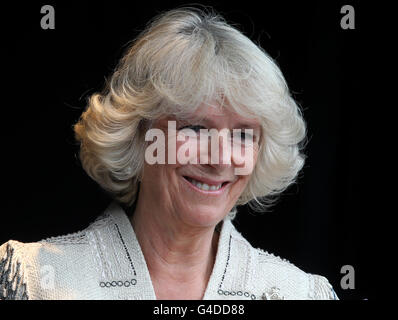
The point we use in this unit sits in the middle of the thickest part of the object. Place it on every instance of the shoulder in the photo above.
(275, 278)
(72, 266)
(34, 270)
(15, 261)
(287, 281)
(12, 280)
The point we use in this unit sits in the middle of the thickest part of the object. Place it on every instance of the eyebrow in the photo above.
(211, 123)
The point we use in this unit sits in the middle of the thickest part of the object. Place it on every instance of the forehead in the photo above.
(218, 115)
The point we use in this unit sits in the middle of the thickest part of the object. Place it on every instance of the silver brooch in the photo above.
(273, 294)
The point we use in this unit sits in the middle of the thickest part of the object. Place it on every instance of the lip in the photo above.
(208, 181)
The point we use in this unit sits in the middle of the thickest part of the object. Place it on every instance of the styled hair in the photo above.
(183, 58)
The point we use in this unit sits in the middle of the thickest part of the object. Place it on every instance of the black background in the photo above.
(317, 224)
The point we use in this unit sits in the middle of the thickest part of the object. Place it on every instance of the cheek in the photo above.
(254, 157)
(176, 151)
(151, 171)
(245, 159)
(159, 176)
(243, 181)
(188, 151)
(238, 188)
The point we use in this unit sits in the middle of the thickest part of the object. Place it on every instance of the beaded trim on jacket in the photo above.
(105, 261)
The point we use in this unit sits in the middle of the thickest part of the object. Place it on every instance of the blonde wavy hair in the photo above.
(183, 58)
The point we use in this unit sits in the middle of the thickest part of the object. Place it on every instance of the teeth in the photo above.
(204, 186)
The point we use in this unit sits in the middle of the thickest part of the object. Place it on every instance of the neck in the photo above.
(175, 253)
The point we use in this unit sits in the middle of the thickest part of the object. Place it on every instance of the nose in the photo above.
(226, 152)
(218, 151)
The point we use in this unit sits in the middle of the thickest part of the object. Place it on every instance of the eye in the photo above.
(244, 135)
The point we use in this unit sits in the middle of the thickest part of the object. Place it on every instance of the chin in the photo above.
(205, 216)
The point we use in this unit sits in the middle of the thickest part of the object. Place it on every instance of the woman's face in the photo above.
(197, 188)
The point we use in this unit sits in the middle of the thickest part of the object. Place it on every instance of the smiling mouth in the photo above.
(205, 186)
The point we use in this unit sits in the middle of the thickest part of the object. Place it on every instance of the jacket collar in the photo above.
(124, 266)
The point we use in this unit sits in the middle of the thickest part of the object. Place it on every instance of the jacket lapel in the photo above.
(128, 276)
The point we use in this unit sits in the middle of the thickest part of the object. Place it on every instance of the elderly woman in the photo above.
(188, 84)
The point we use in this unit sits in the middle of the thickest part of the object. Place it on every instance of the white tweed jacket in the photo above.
(105, 261)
